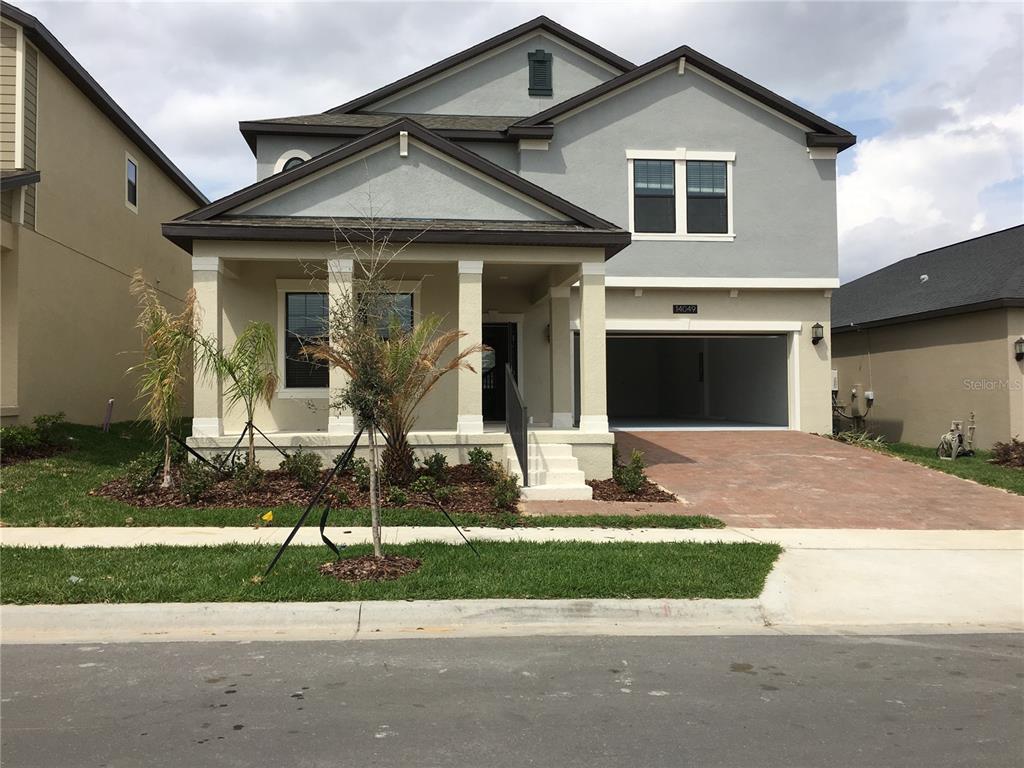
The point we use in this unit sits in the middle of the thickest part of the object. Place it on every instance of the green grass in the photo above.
(55, 492)
(974, 468)
(505, 570)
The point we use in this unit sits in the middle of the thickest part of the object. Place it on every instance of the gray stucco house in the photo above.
(645, 246)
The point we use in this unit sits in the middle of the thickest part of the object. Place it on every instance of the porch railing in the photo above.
(516, 422)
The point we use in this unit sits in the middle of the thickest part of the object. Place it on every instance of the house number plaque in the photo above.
(684, 309)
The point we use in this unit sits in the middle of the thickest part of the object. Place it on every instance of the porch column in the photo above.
(207, 404)
(593, 384)
(561, 357)
(471, 411)
(339, 290)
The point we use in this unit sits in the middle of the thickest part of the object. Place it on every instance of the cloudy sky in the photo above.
(934, 91)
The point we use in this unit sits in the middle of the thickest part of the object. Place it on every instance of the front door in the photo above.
(501, 338)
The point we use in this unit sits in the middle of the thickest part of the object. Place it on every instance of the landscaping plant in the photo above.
(166, 344)
(631, 477)
(436, 465)
(248, 372)
(304, 466)
(1009, 454)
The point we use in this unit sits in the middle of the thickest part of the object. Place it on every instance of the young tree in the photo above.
(248, 371)
(166, 344)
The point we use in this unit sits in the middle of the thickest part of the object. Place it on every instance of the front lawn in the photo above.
(55, 491)
(974, 468)
(547, 570)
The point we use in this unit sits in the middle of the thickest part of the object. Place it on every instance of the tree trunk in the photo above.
(399, 461)
(251, 456)
(166, 483)
(374, 495)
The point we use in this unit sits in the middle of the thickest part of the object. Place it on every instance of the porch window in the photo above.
(305, 324)
(396, 308)
(654, 196)
(707, 205)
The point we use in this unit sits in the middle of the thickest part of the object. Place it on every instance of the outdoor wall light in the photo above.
(1018, 348)
(817, 333)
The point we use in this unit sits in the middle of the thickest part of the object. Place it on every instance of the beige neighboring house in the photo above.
(84, 193)
(934, 338)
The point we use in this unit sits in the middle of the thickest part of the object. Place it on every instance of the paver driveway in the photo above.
(784, 479)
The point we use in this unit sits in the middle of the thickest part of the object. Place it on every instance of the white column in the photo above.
(339, 291)
(561, 357)
(593, 382)
(471, 411)
(207, 403)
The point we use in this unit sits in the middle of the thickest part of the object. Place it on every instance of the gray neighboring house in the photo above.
(934, 338)
(647, 246)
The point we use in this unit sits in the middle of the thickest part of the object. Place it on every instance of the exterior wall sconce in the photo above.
(1018, 348)
(817, 333)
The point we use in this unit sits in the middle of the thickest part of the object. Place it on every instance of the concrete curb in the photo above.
(247, 622)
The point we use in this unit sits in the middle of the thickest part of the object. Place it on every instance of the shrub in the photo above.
(195, 479)
(859, 437)
(250, 477)
(304, 466)
(424, 484)
(230, 468)
(17, 440)
(49, 428)
(481, 460)
(505, 489)
(436, 465)
(142, 470)
(359, 469)
(398, 497)
(341, 498)
(631, 477)
(1009, 454)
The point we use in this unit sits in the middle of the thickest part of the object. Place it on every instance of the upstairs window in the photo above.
(540, 73)
(707, 205)
(654, 196)
(292, 162)
(305, 319)
(131, 183)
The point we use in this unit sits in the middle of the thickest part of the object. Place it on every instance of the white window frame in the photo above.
(129, 158)
(290, 154)
(286, 286)
(680, 156)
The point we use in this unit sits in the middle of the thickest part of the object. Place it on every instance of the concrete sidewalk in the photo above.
(856, 581)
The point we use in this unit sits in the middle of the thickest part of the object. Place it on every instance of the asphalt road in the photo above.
(656, 701)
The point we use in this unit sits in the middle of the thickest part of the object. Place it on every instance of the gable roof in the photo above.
(584, 228)
(51, 47)
(986, 272)
(541, 23)
(347, 125)
(821, 133)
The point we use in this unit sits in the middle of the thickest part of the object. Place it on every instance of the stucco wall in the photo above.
(925, 374)
(784, 203)
(74, 271)
(270, 149)
(421, 185)
(498, 84)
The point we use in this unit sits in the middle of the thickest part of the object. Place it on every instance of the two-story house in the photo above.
(84, 192)
(643, 246)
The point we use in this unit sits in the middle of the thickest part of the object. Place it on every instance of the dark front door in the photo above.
(501, 338)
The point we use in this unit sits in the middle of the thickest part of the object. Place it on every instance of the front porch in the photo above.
(515, 298)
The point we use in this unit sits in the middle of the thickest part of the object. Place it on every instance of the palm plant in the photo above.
(248, 372)
(166, 343)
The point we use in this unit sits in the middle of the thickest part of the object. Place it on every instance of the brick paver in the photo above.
(796, 480)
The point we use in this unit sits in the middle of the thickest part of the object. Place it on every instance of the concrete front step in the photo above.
(555, 473)
(571, 492)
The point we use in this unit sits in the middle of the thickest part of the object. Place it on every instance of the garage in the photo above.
(683, 381)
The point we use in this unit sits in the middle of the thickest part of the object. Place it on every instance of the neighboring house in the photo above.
(935, 338)
(644, 245)
(84, 192)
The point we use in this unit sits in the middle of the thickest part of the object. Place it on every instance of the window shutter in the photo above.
(540, 73)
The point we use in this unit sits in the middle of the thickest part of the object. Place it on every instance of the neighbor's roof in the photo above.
(821, 132)
(52, 48)
(480, 127)
(986, 272)
(12, 178)
(541, 23)
(215, 221)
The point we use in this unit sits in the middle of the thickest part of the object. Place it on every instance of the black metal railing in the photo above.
(516, 422)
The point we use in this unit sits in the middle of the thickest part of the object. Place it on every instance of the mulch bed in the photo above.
(42, 452)
(370, 568)
(471, 494)
(609, 490)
